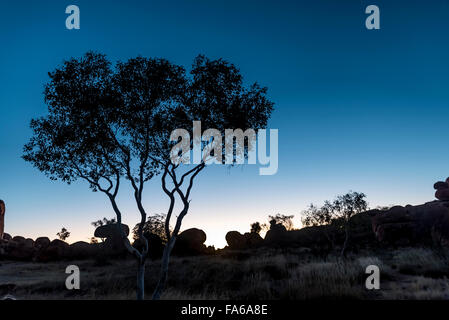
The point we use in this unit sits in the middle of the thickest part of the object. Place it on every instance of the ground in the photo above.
(407, 273)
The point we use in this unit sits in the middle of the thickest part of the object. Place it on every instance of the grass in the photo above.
(421, 261)
(411, 273)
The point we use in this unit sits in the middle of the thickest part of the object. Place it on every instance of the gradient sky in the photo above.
(358, 109)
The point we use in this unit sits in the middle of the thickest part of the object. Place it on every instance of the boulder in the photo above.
(253, 239)
(190, 242)
(56, 250)
(58, 244)
(235, 240)
(422, 224)
(113, 245)
(238, 241)
(18, 250)
(110, 231)
(440, 185)
(442, 194)
(19, 239)
(277, 235)
(193, 236)
(442, 190)
(29, 243)
(41, 243)
(82, 250)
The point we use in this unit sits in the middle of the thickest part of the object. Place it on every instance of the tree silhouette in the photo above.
(322, 216)
(63, 234)
(215, 95)
(286, 221)
(91, 132)
(256, 227)
(155, 224)
(345, 207)
(106, 125)
(336, 214)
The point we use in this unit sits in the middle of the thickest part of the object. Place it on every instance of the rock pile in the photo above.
(113, 244)
(238, 241)
(442, 190)
(423, 224)
(190, 242)
(19, 248)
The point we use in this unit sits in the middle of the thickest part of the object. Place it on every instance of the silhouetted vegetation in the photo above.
(335, 215)
(286, 221)
(256, 227)
(155, 224)
(103, 222)
(63, 234)
(106, 125)
(264, 274)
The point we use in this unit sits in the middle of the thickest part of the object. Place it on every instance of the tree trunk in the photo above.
(163, 276)
(140, 289)
(2, 218)
(345, 244)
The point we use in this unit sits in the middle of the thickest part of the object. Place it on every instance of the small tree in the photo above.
(256, 227)
(107, 125)
(63, 234)
(215, 96)
(103, 222)
(345, 207)
(286, 221)
(337, 213)
(101, 127)
(321, 216)
(155, 224)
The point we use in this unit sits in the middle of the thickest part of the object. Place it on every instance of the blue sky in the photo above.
(356, 109)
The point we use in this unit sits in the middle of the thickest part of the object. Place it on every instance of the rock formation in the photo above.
(2, 218)
(113, 245)
(190, 242)
(44, 250)
(235, 240)
(423, 224)
(442, 190)
(277, 234)
(238, 241)
(41, 243)
(18, 249)
(110, 231)
(57, 250)
(82, 250)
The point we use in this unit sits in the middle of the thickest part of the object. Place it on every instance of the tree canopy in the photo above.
(106, 124)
